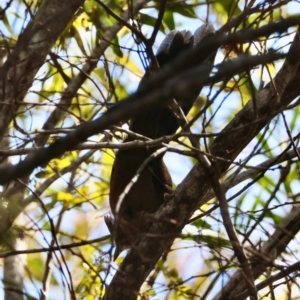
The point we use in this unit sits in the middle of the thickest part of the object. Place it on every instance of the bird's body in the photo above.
(145, 197)
(151, 184)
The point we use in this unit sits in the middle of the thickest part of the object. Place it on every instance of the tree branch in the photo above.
(34, 44)
(175, 213)
(125, 109)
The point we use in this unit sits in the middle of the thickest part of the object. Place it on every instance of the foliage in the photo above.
(64, 203)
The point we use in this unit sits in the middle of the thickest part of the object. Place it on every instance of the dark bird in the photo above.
(145, 197)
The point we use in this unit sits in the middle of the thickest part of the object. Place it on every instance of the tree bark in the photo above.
(175, 213)
(34, 44)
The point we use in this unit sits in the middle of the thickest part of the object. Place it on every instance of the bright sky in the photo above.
(180, 166)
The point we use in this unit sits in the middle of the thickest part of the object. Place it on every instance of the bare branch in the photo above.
(175, 213)
(34, 44)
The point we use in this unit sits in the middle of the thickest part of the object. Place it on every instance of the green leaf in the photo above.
(5, 21)
(265, 145)
(76, 35)
(116, 47)
(169, 20)
(200, 223)
(295, 118)
(149, 20)
(42, 174)
(186, 11)
(210, 240)
(36, 265)
(226, 7)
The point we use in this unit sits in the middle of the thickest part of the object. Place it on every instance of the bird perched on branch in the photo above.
(132, 215)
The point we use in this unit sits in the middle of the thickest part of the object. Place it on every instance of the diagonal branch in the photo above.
(175, 213)
(136, 103)
(16, 206)
(34, 44)
(276, 244)
(163, 86)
